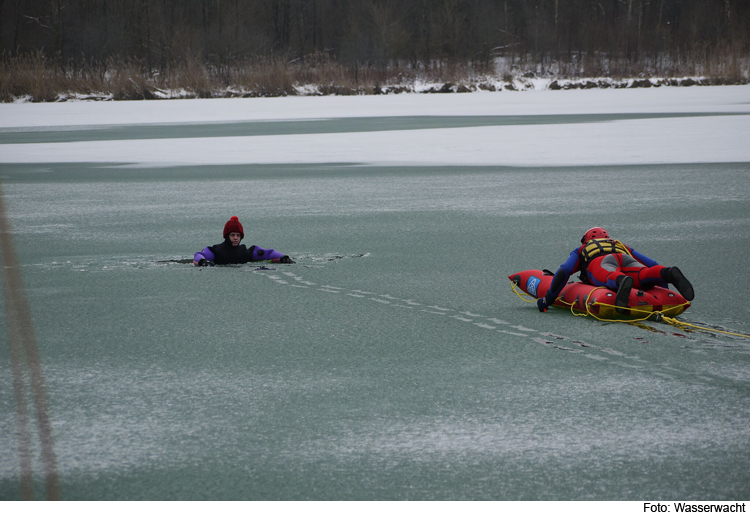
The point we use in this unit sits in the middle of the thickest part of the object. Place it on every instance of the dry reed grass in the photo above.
(40, 78)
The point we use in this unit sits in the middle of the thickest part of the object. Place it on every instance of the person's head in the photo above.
(594, 233)
(233, 231)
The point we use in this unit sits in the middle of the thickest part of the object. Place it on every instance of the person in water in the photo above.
(606, 262)
(232, 252)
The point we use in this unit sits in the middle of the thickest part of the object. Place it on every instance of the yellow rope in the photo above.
(660, 316)
(589, 313)
(677, 323)
(513, 286)
(632, 310)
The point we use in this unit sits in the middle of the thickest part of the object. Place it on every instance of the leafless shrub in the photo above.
(262, 76)
(126, 79)
(30, 75)
(193, 76)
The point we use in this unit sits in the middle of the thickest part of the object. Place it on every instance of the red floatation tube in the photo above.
(599, 302)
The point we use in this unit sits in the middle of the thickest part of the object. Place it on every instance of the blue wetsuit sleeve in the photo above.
(643, 258)
(206, 254)
(571, 263)
(569, 267)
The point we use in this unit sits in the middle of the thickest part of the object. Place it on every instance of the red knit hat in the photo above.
(233, 225)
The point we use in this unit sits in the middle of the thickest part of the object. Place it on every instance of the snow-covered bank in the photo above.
(488, 84)
(662, 139)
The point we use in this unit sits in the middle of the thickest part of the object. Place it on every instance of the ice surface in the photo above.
(311, 381)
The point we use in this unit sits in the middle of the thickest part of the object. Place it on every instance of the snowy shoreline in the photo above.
(517, 84)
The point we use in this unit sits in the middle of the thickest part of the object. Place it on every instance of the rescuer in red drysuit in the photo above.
(606, 262)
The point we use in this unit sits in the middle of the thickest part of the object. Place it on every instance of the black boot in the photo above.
(624, 284)
(674, 275)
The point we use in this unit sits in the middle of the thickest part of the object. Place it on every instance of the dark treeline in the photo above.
(574, 37)
(371, 32)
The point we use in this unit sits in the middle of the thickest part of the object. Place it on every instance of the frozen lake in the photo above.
(392, 361)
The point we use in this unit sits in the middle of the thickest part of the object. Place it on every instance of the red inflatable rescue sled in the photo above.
(599, 301)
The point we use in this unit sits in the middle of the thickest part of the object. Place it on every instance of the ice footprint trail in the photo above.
(570, 345)
(580, 348)
(479, 321)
